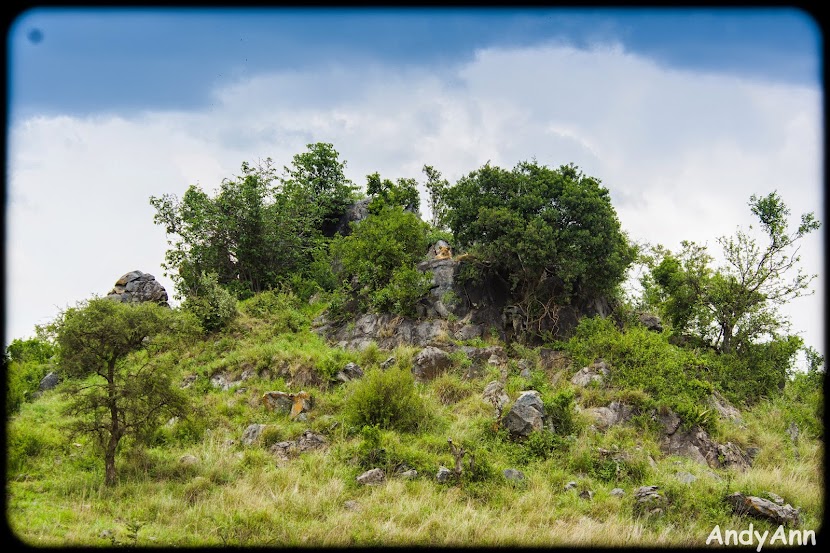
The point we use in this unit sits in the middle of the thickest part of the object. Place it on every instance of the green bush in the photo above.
(27, 362)
(212, 305)
(282, 309)
(387, 399)
(560, 412)
(405, 288)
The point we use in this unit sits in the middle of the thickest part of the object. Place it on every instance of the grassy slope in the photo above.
(244, 496)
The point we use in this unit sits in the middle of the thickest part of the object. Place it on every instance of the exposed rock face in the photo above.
(724, 408)
(764, 509)
(354, 213)
(649, 501)
(350, 372)
(429, 363)
(696, 444)
(136, 286)
(526, 415)
(651, 322)
(596, 372)
(614, 413)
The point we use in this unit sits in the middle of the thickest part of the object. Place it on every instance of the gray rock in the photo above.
(188, 381)
(136, 286)
(648, 500)
(525, 416)
(764, 509)
(723, 407)
(410, 474)
(586, 494)
(220, 381)
(570, 485)
(351, 505)
(429, 363)
(252, 433)
(793, 432)
(596, 372)
(354, 213)
(372, 477)
(388, 363)
(526, 374)
(469, 332)
(618, 492)
(48, 382)
(444, 474)
(310, 440)
(350, 372)
(651, 322)
(513, 475)
(686, 477)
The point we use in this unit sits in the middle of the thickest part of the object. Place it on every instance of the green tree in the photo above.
(377, 260)
(385, 193)
(26, 363)
(317, 177)
(552, 234)
(737, 304)
(117, 391)
(259, 230)
(436, 188)
(212, 305)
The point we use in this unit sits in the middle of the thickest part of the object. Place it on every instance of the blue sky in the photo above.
(681, 113)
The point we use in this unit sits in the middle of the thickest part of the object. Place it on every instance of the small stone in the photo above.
(105, 534)
(513, 475)
(410, 474)
(777, 499)
(388, 363)
(586, 494)
(570, 485)
(443, 475)
(618, 492)
(188, 460)
(351, 505)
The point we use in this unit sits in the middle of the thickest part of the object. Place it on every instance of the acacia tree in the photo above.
(552, 234)
(735, 304)
(119, 387)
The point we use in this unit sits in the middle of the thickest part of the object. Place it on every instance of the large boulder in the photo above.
(525, 416)
(696, 444)
(136, 286)
(614, 413)
(354, 213)
(596, 372)
(764, 509)
(429, 363)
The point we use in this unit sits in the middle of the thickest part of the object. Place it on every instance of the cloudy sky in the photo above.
(682, 114)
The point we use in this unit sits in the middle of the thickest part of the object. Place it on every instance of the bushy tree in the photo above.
(377, 260)
(258, 230)
(115, 393)
(385, 194)
(436, 188)
(733, 306)
(551, 233)
(211, 304)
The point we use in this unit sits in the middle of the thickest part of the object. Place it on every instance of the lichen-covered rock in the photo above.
(525, 416)
(136, 286)
(348, 373)
(764, 509)
(372, 477)
(280, 402)
(252, 433)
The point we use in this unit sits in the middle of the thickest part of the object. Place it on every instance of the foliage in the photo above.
(119, 394)
(211, 304)
(378, 259)
(436, 189)
(388, 194)
(559, 410)
(281, 309)
(387, 399)
(26, 363)
(256, 231)
(734, 306)
(551, 233)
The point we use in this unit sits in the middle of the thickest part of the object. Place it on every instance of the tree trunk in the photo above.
(115, 427)
(726, 346)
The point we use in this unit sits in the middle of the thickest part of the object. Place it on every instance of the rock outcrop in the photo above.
(136, 286)
(696, 444)
(525, 416)
(764, 509)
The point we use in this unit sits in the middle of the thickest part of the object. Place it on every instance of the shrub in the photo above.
(212, 304)
(387, 399)
(405, 288)
(560, 412)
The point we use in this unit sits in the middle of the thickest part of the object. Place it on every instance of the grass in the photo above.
(243, 496)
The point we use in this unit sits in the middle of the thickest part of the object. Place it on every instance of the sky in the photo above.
(683, 114)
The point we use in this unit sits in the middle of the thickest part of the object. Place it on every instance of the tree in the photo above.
(552, 234)
(378, 260)
(26, 363)
(121, 388)
(259, 229)
(385, 193)
(436, 188)
(318, 177)
(735, 305)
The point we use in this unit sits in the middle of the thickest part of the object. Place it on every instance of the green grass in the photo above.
(243, 496)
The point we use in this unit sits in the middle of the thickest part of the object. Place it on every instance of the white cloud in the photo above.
(680, 152)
